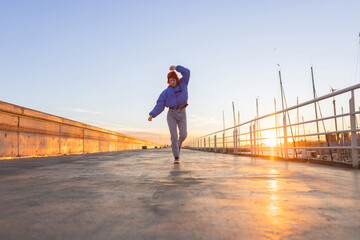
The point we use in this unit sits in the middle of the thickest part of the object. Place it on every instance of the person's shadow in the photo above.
(177, 172)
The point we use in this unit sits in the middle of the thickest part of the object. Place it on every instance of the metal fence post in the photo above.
(214, 143)
(354, 151)
(251, 141)
(285, 137)
(239, 142)
(254, 137)
(209, 145)
(235, 141)
(223, 141)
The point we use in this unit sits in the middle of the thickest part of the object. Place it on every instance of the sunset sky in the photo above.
(105, 62)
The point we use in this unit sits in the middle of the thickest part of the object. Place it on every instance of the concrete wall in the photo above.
(28, 133)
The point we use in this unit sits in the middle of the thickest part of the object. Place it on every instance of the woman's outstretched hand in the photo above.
(150, 118)
(172, 68)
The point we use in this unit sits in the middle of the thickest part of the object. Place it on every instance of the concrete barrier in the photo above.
(28, 133)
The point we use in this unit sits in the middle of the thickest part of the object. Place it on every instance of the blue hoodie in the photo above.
(173, 96)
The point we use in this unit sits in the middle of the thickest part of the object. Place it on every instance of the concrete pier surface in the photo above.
(141, 194)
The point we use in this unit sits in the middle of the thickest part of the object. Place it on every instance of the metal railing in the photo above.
(266, 136)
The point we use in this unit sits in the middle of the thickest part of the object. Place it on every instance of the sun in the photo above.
(270, 141)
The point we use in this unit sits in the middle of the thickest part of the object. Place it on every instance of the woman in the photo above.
(175, 97)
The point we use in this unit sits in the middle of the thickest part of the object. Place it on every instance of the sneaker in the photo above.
(177, 160)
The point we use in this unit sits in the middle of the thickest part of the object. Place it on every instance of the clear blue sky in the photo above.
(105, 62)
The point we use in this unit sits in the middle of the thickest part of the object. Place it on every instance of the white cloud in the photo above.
(204, 121)
(79, 110)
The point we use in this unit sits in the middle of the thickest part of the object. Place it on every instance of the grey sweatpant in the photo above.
(177, 118)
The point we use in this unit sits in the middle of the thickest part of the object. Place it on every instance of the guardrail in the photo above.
(28, 133)
(267, 136)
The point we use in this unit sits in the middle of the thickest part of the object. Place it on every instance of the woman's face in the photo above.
(172, 82)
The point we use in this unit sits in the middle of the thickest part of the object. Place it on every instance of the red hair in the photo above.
(172, 74)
